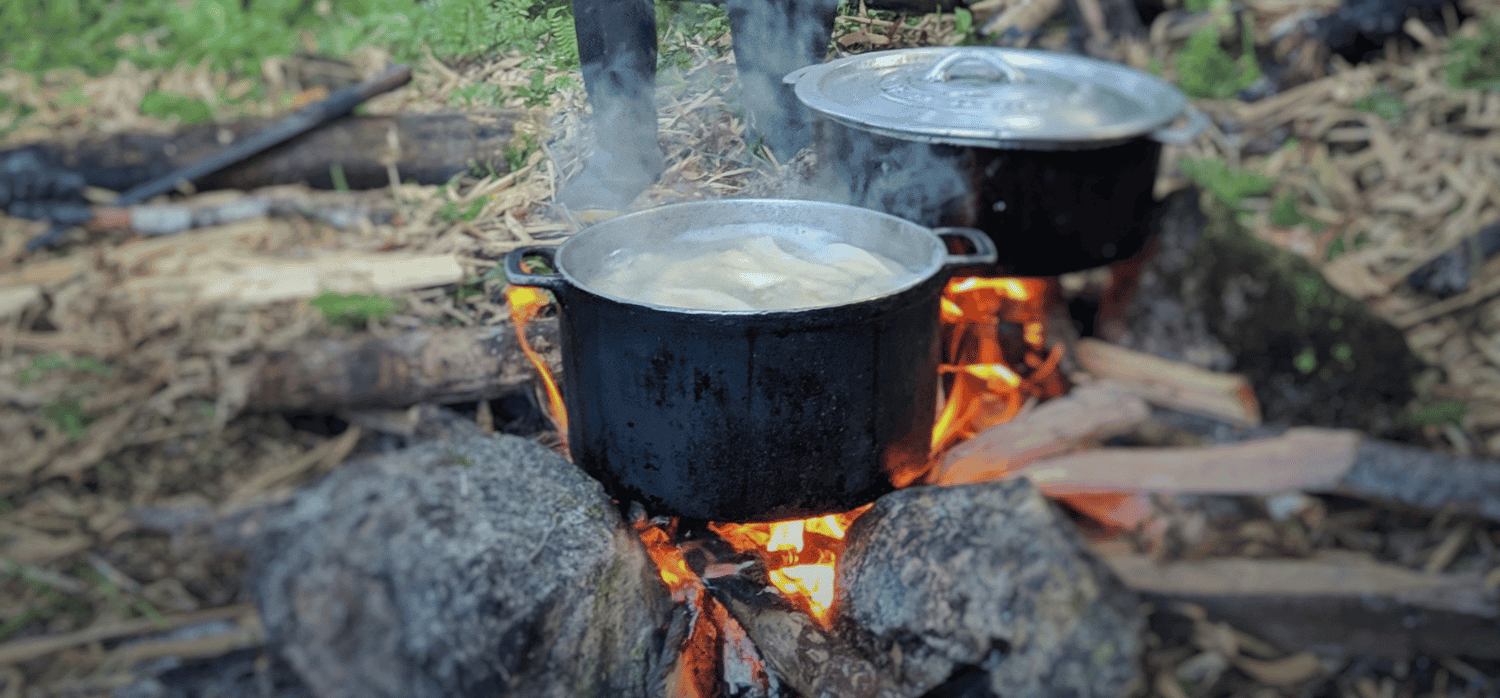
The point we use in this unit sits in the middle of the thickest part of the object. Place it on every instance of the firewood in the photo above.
(935, 579)
(430, 149)
(1328, 461)
(1337, 601)
(1171, 383)
(811, 660)
(433, 365)
(1086, 416)
(475, 565)
(1301, 458)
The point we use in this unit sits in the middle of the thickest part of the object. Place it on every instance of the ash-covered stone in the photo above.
(473, 566)
(936, 581)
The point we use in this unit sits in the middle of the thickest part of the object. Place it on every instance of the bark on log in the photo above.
(475, 566)
(441, 366)
(939, 578)
(1172, 383)
(1337, 604)
(433, 148)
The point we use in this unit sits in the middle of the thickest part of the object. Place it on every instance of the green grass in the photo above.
(353, 310)
(1473, 62)
(166, 104)
(1229, 186)
(94, 35)
(47, 363)
(1384, 104)
(1205, 69)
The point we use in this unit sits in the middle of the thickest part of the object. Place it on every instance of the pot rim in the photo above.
(564, 279)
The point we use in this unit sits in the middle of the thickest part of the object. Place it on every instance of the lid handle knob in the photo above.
(943, 70)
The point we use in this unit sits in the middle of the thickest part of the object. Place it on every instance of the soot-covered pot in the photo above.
(749, 415)
(1053, 155)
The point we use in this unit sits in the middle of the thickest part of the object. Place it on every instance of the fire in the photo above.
(800, 554)
(987, 382)
(525, 304)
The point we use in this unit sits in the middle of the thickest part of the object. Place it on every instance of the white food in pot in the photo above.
(729, 270)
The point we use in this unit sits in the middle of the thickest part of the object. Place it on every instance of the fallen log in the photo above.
(1336, 604)
(441, 366)
(935, 579)
(470, 566)
(427, 148)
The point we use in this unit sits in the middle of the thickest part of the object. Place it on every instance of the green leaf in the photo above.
(1473, 62)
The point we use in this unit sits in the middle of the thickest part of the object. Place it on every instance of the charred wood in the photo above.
(810, 659)
(441, 366)
(429, 148)
(475, 566)
(936, 579)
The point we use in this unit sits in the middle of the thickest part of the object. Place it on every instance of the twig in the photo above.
(33, 647)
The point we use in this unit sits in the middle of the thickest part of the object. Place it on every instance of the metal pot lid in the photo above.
(990, 97)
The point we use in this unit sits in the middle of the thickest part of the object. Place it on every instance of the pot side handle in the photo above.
(1182, 135)
(985, 253)
(793, 77)
(518, 276)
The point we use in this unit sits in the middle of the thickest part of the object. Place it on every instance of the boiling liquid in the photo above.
(751, 267)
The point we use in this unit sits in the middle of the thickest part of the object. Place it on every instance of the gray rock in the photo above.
(992, 576)
(473, 566)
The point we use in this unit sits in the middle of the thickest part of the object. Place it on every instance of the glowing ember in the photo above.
(525, 304)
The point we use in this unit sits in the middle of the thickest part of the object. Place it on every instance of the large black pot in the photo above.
(1054, 156)
(749, 415)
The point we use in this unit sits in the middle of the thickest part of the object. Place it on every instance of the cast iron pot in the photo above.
(749, 415)
(1053, 155)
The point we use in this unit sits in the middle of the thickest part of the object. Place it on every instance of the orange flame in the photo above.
(525, 304)
(801, 555)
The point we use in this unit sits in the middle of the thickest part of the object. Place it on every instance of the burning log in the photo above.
(427, 148)
(440, 366)
(939, 578)
(1088, 415)
(811, 660)
(1340, 604)
(474, 566)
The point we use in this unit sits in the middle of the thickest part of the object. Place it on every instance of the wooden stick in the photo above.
(1172, 384)
(1300, 459)
(33, 647)
(1335, 601)
(1088, 415)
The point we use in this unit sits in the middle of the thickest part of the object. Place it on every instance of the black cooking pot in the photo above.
(1053, 155)
(749, 415)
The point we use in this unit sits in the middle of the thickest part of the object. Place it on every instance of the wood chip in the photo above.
(1282, 672)
(1443, 555)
